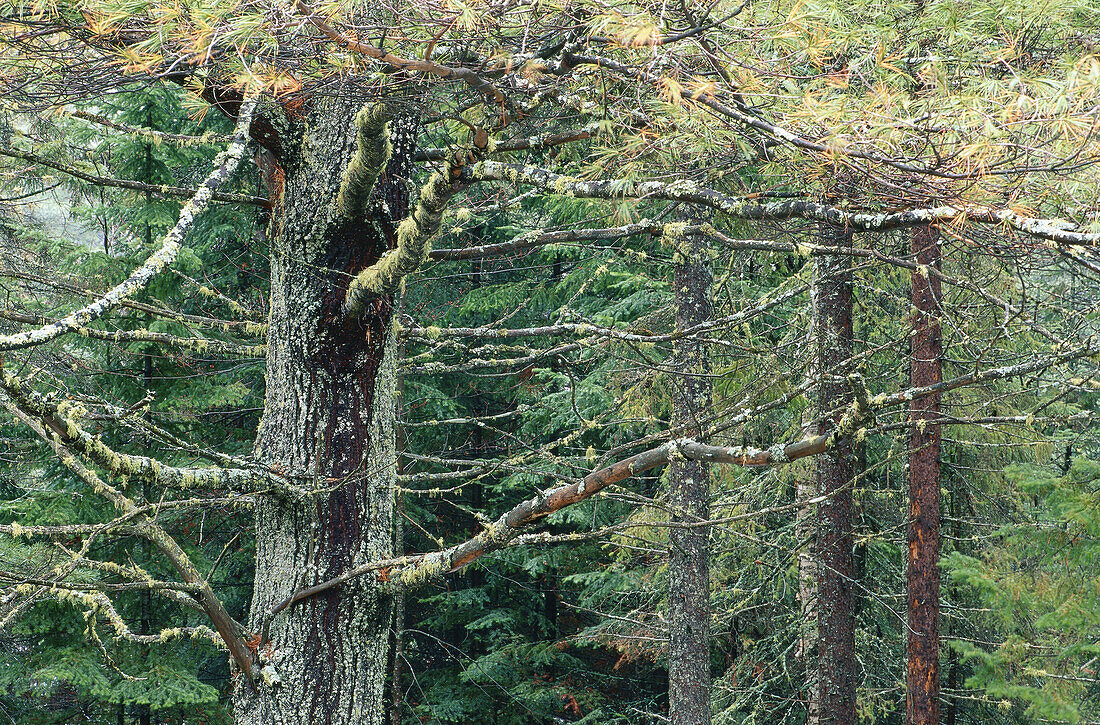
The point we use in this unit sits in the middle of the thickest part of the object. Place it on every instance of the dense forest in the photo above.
(549, 361)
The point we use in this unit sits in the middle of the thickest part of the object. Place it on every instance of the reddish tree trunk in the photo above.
(922, 705)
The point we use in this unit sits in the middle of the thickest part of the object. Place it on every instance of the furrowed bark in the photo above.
(329, 416)
(835, 566)
(689, 497)
(922, 705)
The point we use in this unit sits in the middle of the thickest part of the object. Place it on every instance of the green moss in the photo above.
(374, 149)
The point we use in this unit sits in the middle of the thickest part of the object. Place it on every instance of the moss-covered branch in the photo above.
(63, 419)
(224, 166)
(231, 633)
(197, 345)
(1054, 232)
(371, 156)
(414, 235)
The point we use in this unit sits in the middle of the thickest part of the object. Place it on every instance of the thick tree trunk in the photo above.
(328, 419)
(922, 705)
(689, 499)
(835, 568)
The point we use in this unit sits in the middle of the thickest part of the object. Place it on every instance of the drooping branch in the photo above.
(244, 327)
(229, 630)
(730, 106)
(63, 420)
(98, 603)
(225, 165)
(467, 76)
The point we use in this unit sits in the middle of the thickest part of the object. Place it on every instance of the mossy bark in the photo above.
(328, 419)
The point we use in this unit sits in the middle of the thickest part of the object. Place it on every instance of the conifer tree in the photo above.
(380, 132)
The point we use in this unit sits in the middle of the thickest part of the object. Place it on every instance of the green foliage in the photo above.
(60, 653)
(1035, 581)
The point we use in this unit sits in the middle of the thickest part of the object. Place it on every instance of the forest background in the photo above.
(825, 270)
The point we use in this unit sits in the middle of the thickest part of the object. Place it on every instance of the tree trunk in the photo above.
(922, 705)
(329, 419)
(835, 568)
(806, 531)
(689, 499)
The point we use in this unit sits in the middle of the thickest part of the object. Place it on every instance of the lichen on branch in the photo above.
(414, 235)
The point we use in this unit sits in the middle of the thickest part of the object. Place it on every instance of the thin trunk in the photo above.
(835, 566)
(922, 704)
(805, 532)
(805, 529)
(329, 418)
(396, 691)
(689, 492)
(145, 623)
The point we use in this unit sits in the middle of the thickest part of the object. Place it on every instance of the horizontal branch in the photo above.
(157, 136)
(157, 190)
(528, 143)
(540, 238)
(1051, 230)
(198, 345)
(585, 329)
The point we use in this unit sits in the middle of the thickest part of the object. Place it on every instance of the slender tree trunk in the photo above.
(397, 692)
(689, 493)
(835, 568)
(806, 531)
(329, 418)
(922, 705)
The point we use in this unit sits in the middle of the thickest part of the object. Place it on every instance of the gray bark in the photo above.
(835, 566)
(329, 418)
(805, 531)
(689, 500)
